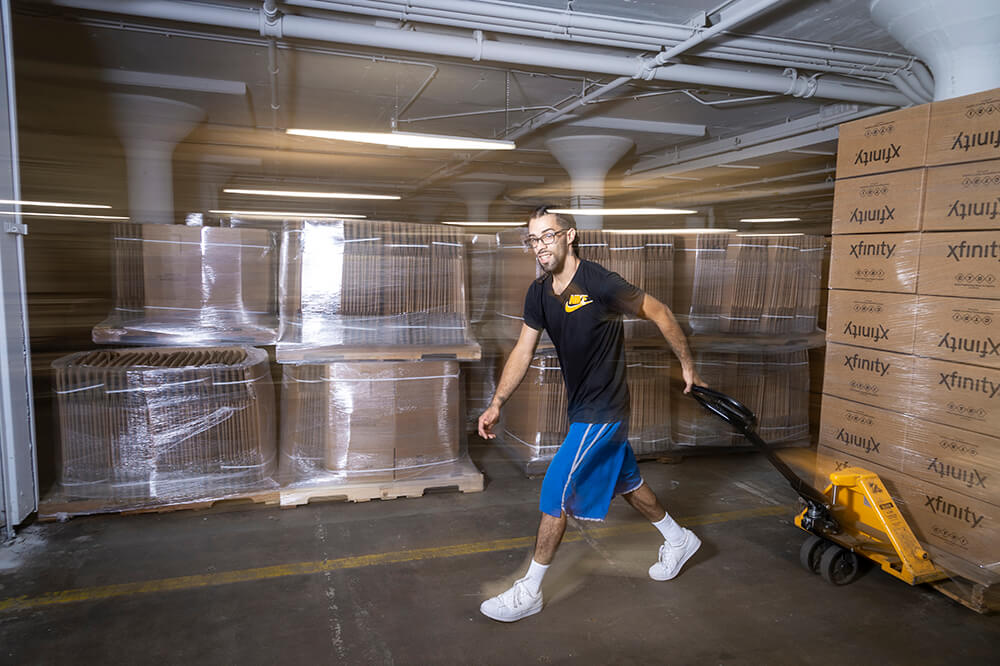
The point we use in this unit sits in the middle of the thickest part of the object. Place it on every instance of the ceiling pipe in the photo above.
(477, 49)
(149, 129)
(581, 27)
(587, 159)
(957, 39)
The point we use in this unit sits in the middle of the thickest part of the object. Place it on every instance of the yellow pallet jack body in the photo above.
(855, 516)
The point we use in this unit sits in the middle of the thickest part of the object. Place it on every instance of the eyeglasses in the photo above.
(548, 238)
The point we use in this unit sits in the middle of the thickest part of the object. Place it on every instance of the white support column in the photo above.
(958, 39)
(587, 159)
(149, 129)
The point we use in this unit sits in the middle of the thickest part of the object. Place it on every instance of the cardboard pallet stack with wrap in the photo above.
(750, 304)
(373, 326)
(189, 416)
(534, 419)
(912, 385)
(751, 301)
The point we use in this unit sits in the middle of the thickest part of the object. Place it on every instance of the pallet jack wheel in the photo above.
(839, 566)
(811, 552)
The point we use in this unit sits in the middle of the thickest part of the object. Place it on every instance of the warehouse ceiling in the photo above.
(738, 125)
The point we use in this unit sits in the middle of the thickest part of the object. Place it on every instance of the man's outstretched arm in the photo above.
(513, 372)
(660, 314)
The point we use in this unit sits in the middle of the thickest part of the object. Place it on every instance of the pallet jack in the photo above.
(854, 517)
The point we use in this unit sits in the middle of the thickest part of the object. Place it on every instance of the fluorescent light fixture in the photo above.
(288, 215)
(682, 230)
(737, 166)
(622, 211)
(74, 216)
(408, 139)
(51, 204)
(313, 195)
(487, 224)
(770, 219)
(679, 178)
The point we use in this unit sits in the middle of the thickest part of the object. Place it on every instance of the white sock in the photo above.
(533, 579)
(671, 531)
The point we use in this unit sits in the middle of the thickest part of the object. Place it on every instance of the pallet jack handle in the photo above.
(738, 415)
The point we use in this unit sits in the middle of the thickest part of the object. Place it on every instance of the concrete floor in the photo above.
(743, 599)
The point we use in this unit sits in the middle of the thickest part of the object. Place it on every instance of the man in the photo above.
(580, 304)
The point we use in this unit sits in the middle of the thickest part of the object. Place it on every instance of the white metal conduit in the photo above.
(344, 32)
(554, 24)
(560, 24)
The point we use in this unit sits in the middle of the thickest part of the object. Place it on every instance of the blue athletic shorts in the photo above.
(593, 464)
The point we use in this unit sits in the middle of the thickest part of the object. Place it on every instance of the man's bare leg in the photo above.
(679, 543)
(525, 597)
(644, 500)
(550, 534)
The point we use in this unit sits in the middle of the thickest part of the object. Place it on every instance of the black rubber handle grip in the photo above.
(729, 409)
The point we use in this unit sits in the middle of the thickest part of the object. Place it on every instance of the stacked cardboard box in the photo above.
(775, 385)
(754, 284)
(158, 425)
(368, 312)
(913, 372)
(192, 285)
(369, 421)
(356, 283)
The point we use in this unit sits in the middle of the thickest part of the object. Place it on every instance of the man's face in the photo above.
(551, 257)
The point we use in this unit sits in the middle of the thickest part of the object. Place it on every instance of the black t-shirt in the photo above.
(585, 324)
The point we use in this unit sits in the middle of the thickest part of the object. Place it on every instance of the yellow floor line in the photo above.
(359, 561)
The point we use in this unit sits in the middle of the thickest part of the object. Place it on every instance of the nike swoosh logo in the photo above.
(574, 308)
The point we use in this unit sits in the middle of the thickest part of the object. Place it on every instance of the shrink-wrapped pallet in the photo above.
(178, 285)
(775, 386)
(360, 289)
(140, 427)
(645, 260)
(534, 419)
(362, 421)
(754, 284)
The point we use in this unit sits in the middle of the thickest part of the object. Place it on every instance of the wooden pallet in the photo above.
(462, 475)
(58, 508)
(465, 352)
(984, 599)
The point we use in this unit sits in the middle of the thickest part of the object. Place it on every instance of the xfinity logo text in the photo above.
(886, 155)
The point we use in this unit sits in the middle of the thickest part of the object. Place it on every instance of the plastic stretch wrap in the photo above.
(360, 283)
(178, 285)
(964, 264)
(963, 197)
(645, 260)
(534, 420)
(481, 258)
(480, 384)
(369, 420)
(872, 319)
(755, 284)
(875, 262)
(154, 425)
(774, 385)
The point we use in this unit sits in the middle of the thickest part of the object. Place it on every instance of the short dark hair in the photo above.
(563, 221)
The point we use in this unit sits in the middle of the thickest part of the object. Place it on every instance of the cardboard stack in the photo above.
(370, 421)
(534, 420)
(361, 284)
(775, 385)
(369, 311)
(912, 368)
(755, 284)
(192, 286)
(158, 425)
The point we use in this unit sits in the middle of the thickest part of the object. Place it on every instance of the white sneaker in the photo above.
(515, 604)
(672, 558)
